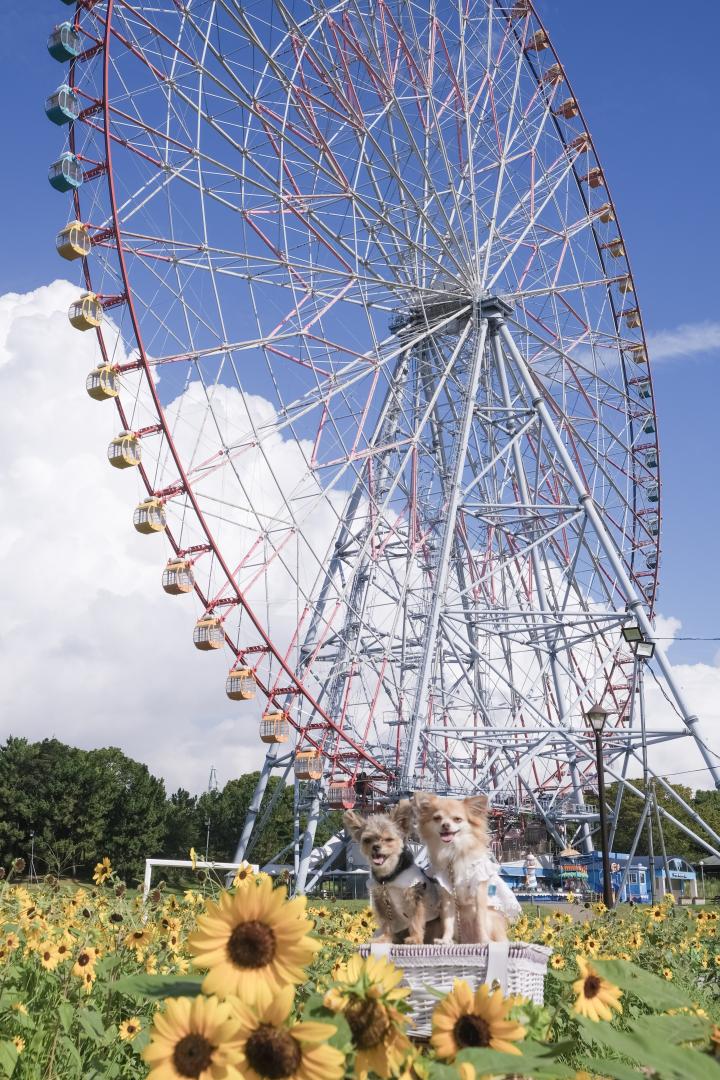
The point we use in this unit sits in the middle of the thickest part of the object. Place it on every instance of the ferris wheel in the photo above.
(368, 320)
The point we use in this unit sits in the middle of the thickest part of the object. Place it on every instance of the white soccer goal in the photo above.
(150, 865)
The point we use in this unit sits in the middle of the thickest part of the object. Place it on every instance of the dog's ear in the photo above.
(422, 800)
(354, 823)
(403, 816)
(476, 806)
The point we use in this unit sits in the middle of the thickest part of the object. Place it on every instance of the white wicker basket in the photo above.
(518, 968)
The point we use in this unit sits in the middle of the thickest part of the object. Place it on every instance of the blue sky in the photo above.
(645, 80)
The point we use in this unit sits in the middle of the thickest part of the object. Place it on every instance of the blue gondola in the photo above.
(64, 43)
(63, 106)
(66, 173)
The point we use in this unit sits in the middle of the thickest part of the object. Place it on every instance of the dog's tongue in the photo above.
(378, 860)
(447, 837)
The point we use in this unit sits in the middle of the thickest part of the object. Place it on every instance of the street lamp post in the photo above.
(596, 717)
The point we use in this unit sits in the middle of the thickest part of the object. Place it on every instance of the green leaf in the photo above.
(613, 1069)
(92, 1024)
(151, 987)
(682, 1028)
(536, 1058)
(66, 1014)
(651, 989)
(73, 1051)
(8, 1058)
(669, 1062)
(315, 1010)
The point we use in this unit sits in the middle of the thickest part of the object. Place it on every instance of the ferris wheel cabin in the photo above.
(102, 383)
(63, 106)
(66, 173)
(86, 313)
(208, 633)
(73, 242)
(150, 517)
(240, 684)
(178, 577)
(64, 43)
(275, 728)
(308, 765)
(124, 452)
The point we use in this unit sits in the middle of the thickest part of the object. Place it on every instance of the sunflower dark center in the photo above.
(83, 959)
(192, 1055)
(591, 986)
(251, 945)
(273, 1052)
(368, 1023)
(472, 1030)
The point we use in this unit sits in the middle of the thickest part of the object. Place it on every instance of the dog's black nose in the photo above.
(376, 849)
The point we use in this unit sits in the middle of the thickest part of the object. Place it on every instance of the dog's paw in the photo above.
(413, 939)
(383, 939)
(444, 940)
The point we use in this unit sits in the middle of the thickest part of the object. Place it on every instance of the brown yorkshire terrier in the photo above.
(475, 902)
(406, 901)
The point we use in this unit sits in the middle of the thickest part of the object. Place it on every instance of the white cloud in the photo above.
(91, 649)
(688, 339)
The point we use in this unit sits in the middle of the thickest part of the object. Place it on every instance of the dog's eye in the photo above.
(457, 819)
(437, 817)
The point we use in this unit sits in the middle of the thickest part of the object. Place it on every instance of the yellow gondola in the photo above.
(208, 633)
(150, 517)
(568, 108)
(308, 765)
(73, 242)
(86, 313)
(275, 728)
(240, 684)
(537, 42)
(124, 452)
(178, 577)
(102, 383)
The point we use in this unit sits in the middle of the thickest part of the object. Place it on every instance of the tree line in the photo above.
(74, 806)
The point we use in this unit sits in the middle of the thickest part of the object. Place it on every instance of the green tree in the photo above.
(183, 826)
(678, 843)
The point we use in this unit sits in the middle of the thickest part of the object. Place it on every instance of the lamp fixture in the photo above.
(596, 717)
(645, 650)
(632, 633)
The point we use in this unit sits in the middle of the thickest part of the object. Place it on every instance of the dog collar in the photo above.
(404, 862)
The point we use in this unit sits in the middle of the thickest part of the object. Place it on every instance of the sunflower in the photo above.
(49, 955)
(636, 940)
(657, 914)
(596, 997)
(243, 872)
(103, 871)
(251, 938)
(84, 963)
(129, 1029)
(272, 1049)
(193, 858)
(19, 1043)
(557, 962)
(480, 1019)
(667, 974)
(368, 993)
(138, 939)
(193, 1037)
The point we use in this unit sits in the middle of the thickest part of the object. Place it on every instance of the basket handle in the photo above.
(497, 967)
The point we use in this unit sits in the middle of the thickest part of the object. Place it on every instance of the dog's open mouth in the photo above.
(446, 837)
(378, 860)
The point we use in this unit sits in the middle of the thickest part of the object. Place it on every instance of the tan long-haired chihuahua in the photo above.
(474, 902)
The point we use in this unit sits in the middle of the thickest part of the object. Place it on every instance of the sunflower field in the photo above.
(246, 984)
